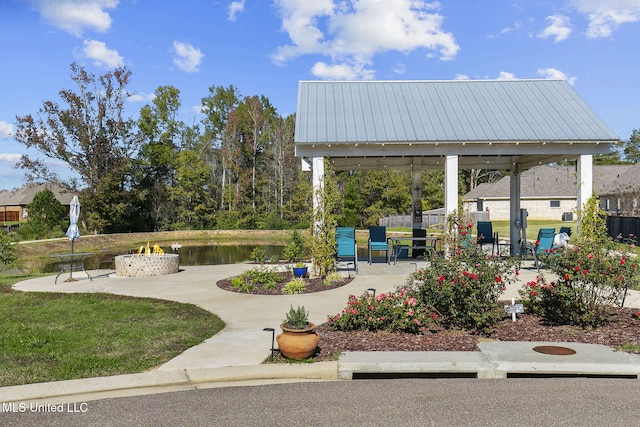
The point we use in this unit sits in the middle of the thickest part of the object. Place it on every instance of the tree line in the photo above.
(235, 168)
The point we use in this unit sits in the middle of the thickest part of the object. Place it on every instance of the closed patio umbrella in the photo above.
(73, 232)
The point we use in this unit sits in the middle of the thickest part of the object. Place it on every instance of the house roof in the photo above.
(24, 195)
(627, 181)
(548, 182)
(489, 124)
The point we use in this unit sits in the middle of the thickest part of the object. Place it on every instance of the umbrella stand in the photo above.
(70, 278)
(73, 233)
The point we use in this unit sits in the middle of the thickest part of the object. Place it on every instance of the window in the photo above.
(554, 203)
(480, 205)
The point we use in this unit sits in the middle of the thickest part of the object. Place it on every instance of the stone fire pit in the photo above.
(146, 265)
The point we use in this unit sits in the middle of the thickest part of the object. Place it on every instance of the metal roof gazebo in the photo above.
(474, 124)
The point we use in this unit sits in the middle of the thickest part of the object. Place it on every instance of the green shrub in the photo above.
(242, 284)
(295, 286)
(393, 311)
(297, 318)
(333, 278)
(261, 275)
(295, 249)
(465, 287)
(592, 276)
(258, 254)
(7, 252)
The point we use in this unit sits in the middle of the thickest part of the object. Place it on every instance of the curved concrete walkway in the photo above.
(235, 353)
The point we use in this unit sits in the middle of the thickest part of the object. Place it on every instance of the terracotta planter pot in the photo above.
(298, 344)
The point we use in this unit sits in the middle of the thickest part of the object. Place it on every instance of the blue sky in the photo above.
(265, 47)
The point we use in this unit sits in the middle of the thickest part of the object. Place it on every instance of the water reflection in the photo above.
(215, 255)
(189, 255)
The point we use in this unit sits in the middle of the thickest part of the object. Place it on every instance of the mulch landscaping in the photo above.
(312, 285)
(623, 328)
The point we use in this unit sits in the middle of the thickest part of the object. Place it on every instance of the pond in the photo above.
(189, 255)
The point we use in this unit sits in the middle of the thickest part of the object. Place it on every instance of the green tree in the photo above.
(222, 136)
(91, 134)
(45, 217)
(189, 191)
(631, 148)
(163, 136)
(7, 251)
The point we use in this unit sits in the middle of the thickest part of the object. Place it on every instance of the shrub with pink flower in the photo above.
(393, 311)
(592, 276)
(465, 287)
(589, 282)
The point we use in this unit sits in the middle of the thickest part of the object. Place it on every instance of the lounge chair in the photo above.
(487, 236)
(378, 241)
(346, 247)
(544, 244)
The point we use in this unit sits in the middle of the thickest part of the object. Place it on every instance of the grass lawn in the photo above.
(54, 336)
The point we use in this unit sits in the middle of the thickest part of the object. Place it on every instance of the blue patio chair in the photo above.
(378, 241)
(486, 235)
(346, 247)
(544, 244)
(565, 230)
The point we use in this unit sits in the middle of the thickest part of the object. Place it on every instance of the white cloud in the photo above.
(141, 97)
(101, 55)
(462, 77)
(606, 16)
(10, 158)
(235, 8)
(342, 71)
(559, 28)
(6, 129)
(554, 73)
(76, 16)
(188, 58)
(506, 76)
(352, 32)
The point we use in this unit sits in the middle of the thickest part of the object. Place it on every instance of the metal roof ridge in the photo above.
(433, 81)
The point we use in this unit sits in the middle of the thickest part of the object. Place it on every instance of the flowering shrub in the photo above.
(465, 287)
(588, 283)
(394, 311)
(591, 276)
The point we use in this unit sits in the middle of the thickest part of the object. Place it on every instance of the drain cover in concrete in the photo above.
(559, 358)
(554, 350)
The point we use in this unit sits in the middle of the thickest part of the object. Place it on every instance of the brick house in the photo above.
(13, 202)
(548, 192)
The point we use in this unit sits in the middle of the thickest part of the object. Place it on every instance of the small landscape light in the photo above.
(273, 338)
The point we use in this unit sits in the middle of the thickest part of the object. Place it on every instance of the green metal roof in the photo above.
(538, 120)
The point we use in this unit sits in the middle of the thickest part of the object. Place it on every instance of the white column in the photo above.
(585, 180)
(450, 185)
(450, 190)
(317, 167)
(514, 210)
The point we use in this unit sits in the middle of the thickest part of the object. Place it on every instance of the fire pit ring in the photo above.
(146, 266)
(554, 350)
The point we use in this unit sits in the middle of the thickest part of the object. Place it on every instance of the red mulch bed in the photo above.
(623, 327)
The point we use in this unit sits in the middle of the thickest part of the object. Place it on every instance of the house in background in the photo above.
(547, 192)
(13, 202)
(623, 196)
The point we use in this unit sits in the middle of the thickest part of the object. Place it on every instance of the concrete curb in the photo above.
(82, 390)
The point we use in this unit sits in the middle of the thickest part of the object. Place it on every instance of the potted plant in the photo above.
(300, 269)
(299, 339)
